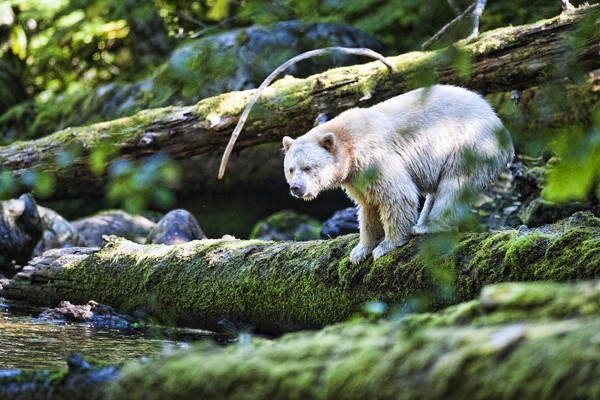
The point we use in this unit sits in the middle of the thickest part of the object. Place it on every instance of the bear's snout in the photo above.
(297, 190)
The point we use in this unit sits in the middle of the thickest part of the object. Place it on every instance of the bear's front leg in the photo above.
(371, 231)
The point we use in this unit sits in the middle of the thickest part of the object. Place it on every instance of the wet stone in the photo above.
(58, 232)
(94, 313)
(342, 222)
(177, 226)
(20, 230)
(116, 222)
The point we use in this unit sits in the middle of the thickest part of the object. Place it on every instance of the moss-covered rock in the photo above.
(287, 225)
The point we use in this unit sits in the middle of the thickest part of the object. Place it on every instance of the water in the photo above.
(26, 343)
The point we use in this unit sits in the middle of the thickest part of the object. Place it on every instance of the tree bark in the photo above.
(276, 287)
(535, 340)
(512, 58)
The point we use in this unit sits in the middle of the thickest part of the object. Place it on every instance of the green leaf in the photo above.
(219, 9)
(577, 169)
(19, 42)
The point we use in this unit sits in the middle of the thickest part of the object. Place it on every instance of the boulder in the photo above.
(287, 225)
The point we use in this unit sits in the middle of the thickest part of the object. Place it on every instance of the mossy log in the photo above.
(497, 61)
(276, 287)
(536, 340)
(518, 341)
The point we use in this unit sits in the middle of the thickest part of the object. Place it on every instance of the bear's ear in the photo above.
(327, 141)
(287, 142)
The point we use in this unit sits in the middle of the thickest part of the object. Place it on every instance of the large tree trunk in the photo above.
(506, 59)
(278, 287)
(518, 340)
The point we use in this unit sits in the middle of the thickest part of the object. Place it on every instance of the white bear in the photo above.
(442, 142)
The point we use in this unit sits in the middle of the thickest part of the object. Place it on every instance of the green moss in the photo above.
(390, 360)
(276, 287)
(287, 225)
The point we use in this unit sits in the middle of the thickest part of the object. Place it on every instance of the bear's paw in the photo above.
(385, 247)
(360, 253)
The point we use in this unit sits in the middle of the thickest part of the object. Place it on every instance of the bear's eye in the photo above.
(306, 168)
(291, 170)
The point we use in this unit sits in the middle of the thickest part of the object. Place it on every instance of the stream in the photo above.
(27, 343)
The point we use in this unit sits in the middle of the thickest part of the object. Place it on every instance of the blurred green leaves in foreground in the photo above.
(133, 185)
(137, 186)
(575, 174)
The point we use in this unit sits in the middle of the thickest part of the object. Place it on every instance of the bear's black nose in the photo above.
(296, 190)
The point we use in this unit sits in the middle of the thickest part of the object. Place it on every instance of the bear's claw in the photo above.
(385, 247)
(359, 253)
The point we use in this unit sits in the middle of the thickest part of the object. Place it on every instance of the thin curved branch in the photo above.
(445, 28)
(274, 74)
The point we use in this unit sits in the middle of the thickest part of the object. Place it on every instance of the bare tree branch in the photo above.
(476, 15)
(274, 74)
(445, 28)
(566, 5)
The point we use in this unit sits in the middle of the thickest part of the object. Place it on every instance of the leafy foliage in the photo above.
(143, 185)
(67, 44)
(403, 25)
(575, 176)
(62, 46)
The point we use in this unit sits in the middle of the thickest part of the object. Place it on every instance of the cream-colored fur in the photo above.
(441, 142)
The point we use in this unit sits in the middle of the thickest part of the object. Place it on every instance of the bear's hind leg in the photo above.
(451, 206)
(421, 227)
(399, 211)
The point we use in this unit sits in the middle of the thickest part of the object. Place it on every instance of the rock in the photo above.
(58, 232)
(20, 230)
(242, 58)
(286, 225)
(98, 315)
(116, 222)
(177, 226)
(341, 223)
(536, 211)
(498, 204)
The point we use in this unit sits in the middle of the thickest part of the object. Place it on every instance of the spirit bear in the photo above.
(444, 143)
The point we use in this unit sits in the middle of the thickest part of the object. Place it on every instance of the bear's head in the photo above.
(311, 163)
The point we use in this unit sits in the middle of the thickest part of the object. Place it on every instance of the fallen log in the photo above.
(517, 340)
(511, 58)
(532, 341)
(276, 287)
